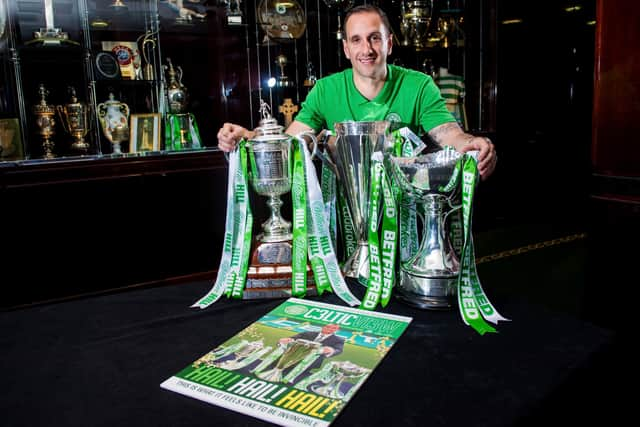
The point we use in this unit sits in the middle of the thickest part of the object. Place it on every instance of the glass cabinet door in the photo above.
(80, 78)
(126, 74)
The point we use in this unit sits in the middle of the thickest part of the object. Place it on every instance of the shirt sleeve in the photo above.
(311, 112)
(433, 110)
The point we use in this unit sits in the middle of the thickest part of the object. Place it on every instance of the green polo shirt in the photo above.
(408, 98)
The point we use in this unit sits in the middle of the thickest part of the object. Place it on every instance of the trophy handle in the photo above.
(61, 114)
(314, 141)
(124, 109)
(322, 155)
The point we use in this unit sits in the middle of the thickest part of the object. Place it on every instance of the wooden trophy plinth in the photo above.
(269, 274)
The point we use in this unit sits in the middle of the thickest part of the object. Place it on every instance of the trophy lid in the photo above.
(268, 130)
(43, 107)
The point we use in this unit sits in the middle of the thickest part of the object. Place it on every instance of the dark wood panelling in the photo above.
(616, 108)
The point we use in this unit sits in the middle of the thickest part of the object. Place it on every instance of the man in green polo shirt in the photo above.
(374, 90)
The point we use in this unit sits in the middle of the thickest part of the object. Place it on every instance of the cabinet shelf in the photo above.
(62, 170)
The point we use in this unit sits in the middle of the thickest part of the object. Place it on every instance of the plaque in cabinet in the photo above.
(282, 20)
(106, 66)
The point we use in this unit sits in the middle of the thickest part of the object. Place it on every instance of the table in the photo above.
(99, 361)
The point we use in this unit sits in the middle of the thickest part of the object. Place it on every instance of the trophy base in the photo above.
(430, 293)
(80, 146)
(357, 266)
(269, 274)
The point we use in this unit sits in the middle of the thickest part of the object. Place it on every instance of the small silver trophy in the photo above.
(429, 278)
(339, 380)
(349, 156)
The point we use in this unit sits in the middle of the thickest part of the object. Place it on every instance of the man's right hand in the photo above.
(229, 135)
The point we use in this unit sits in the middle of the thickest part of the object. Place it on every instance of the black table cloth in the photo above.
(99, 361)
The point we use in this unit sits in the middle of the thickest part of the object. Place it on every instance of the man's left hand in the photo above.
(487, 156)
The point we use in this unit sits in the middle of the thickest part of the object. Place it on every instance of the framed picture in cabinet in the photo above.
(145, 132)
(10, 140)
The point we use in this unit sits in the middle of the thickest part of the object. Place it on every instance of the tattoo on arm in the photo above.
(439, 133)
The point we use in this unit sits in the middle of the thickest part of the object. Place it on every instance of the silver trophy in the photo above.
(339, 380)
(295, 352)
(429, 278)
(270, 158)
(349, 156)
(270, 162)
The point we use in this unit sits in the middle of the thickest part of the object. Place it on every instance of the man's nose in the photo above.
(368, 46)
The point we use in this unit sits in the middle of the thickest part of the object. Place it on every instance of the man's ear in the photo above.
(344, 48)
(390, 44)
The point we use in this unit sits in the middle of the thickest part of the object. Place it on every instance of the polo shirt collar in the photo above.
(384, 94)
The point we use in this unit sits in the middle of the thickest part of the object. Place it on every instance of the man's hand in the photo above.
(487, 156)
(327, 351)
(229, 135)
(451, 134)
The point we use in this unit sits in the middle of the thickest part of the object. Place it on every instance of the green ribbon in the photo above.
(236, 185)
(474, 305)
(299, 250)
(381, 254)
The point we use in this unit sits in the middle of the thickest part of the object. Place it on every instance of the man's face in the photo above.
(367, 44)
(329, 329)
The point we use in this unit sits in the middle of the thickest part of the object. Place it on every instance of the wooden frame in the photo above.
(144, 133)
(10, 140)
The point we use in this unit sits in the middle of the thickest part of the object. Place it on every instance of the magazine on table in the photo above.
(299, 364)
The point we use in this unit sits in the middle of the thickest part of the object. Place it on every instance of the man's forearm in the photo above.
(450, 134)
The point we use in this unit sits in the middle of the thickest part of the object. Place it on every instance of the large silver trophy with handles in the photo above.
(270, 157)
(429, 278)
(349, 155)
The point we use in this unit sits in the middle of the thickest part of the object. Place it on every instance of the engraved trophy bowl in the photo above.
(74, 117)
(270, 175)
(338, 375)
(429, 278)
(294, 353)
(114, 119)
(349, 156)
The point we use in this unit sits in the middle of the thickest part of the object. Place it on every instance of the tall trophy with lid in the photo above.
(270, 175)
(114, 119)
(45, 122)
(181, 129)
(74, 117)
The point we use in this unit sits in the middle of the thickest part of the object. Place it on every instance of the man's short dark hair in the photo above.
(363, 8)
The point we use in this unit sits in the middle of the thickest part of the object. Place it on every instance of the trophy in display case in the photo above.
(416, 20)
(281, 21)
(114, 119)
(118, 6)
(283, 80)
(45, 122)
(270, 174)
(74, 117)
(50, 35)
(148, 45)
(340, 6)
(233, 12)
(181, 131)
